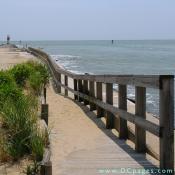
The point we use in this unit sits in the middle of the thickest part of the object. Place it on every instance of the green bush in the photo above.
(8, 88)
(18, 111)
(33, 169)
(42, 69)
(33, 73)
(37, 143)
(39, 78)
(35, 83)
(19, 118)
(21, 73)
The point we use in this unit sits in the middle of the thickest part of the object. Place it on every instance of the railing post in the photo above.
(99, 92)
(59, 80)
(85, 91)
(80, 89)
(46, 169)
(109, 100)
(44, 112)
(92, 94)
(66, 84)
(140, 110)
(122, 103)
(75, 89)
(45, 91)
(167, 122)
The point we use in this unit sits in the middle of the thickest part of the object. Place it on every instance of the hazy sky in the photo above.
(87, 19)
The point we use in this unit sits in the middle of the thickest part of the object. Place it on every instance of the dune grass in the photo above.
(19, 90)
(32, 75)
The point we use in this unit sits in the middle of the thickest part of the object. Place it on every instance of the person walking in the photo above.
(8, 39)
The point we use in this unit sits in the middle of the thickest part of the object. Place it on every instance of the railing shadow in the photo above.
(140, 158)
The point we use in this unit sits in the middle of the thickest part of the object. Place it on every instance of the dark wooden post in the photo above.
(59, 80)
(66, 84)
(45, 95)
(167, 122)
(122, 102)
(85, 91)
(80, 89)
(92, 94)
(75, 89)
(140, 110)
(99, 92)
(109, 100)
(46, 169)
(44, 112)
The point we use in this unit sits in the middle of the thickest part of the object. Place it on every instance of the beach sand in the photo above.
(12, 56)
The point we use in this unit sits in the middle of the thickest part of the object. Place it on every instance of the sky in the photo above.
(87, 19)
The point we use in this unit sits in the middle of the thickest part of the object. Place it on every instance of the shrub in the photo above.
(39, 78)
(42, 69)
(19, 118)
(8, 88)
(33, 73)
(37, 144)
(18, 111)
(35, 83)
(33, 169)
(21, 73)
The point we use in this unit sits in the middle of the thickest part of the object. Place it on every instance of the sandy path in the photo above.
(81, 144)
(11, 56)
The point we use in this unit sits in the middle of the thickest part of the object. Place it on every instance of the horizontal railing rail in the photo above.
(116, 117)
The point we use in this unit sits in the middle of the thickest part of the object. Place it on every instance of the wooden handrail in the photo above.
(164, 83)
(149, 81)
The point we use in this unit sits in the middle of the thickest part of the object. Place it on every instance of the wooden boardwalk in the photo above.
(97, 150)
(80, 142)
(81, 145)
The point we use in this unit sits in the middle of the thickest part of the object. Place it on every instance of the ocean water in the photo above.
(145, 57)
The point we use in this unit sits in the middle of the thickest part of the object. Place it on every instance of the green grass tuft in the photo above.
(18, 111)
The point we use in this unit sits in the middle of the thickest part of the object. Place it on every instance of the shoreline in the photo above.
(151, 107)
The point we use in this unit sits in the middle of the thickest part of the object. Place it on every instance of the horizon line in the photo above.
(90, 40)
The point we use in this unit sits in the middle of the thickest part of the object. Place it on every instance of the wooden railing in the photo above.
(117, 117)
